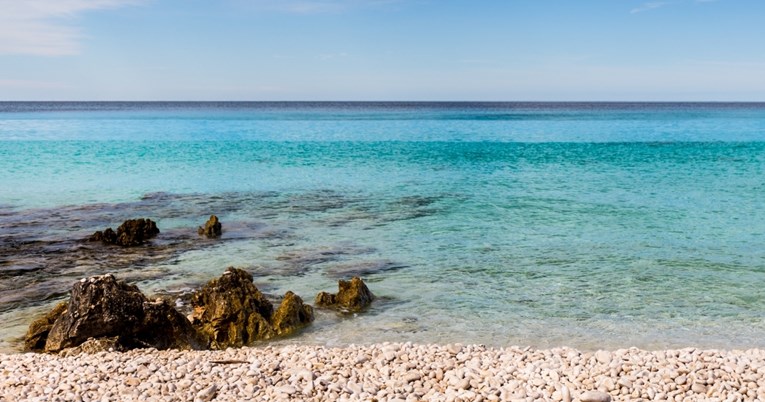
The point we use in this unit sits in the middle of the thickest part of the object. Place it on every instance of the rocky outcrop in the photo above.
(231, 312)
(102, 307)
(132, 232)
(353, 296)
(37, 334)
(212, 228)
(291, 315)
(106, 314)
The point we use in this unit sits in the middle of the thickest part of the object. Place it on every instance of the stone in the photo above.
(595, 396)
(132, 232)
(94, 345)
(37, 334)
(231, 312)
(603, 356)
(102, 307)
(353, 296)
(207, 394)
(291, 315)
(211, 229)
(565, 394)
(699, 388)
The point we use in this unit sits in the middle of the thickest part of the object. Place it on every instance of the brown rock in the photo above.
(231, 311)
(325, 299)
(352, 296)
(94, 346)
(291, 315)
(102, 307)
(37, 334)
(212, 228)
(132, 232)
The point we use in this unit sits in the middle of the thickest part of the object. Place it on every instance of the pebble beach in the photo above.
(387, 372)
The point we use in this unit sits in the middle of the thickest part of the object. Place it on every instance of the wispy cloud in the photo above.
(648, 6)
(46, 27)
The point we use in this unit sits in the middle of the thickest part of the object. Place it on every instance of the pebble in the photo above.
(595, 396)
(391, 371)
(699, 388)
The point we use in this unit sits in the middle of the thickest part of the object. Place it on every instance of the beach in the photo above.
(387, 372)
(604, 239)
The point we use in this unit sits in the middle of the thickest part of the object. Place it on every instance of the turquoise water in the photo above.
(586, 225)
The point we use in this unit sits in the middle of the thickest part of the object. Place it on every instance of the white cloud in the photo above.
(45, 27)
(648, 6)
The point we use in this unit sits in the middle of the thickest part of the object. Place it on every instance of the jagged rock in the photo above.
(37, 334)
(325, 299)
(352, 296)
(231, 311)
(108, 236)
(102, 307)
(291, 315)
(212, 228)
(132, 232)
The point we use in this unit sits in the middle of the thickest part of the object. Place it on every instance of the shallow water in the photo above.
(586, 225)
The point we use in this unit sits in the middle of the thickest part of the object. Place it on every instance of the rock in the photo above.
(212, 228)
(603, 357)
(699, 388)
(94, 346)
(595, 396)
(132, 232)
(565, 394)
(231, 312)
(207, 394)
(352, 296)
(102, 307)
(325, 299)
(107, 236)
(37, 334)
(291, 315)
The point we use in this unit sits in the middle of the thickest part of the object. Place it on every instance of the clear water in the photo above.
(585, 225)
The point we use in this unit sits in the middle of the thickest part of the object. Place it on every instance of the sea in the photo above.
(590, 225)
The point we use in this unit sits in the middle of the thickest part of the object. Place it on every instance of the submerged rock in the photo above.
(37, 334)
(212, 228)
(353, 295)
(231, 312)
(132, 232)
(102, 307)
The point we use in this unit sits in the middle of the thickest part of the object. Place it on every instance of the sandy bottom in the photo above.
(386, 371)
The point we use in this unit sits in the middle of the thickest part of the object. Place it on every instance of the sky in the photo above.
(410, 50)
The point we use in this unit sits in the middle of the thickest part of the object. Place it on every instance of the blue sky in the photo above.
(382, 50)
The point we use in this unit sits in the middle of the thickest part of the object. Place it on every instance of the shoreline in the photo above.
(387, 371)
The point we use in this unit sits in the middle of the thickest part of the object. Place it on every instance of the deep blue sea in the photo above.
(592, 225)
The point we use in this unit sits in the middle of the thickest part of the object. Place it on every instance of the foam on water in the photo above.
(587, 225)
